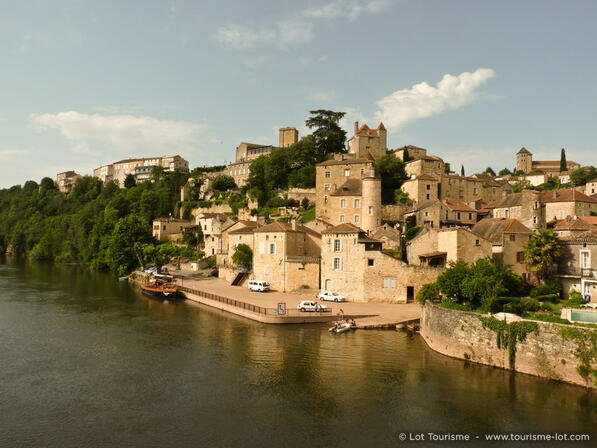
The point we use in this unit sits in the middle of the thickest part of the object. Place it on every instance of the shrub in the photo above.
(210, 262)
(548, 298)
(428, 291)
(529, 304)
(412, 232)
(576, 299)
(451, 304)
(551, 287)
(550, 307)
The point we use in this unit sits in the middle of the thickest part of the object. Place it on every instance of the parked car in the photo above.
(258, 286)
(311, 305)
(330, 296)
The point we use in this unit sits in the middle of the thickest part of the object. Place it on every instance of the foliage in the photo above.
(303, 177)
(509, 334)
(550, 287)
(585, 352)
(563, 164)
(453, 305)
(553, 183)
(489, 170)
(129, 181)
(223, 182)
(329, 137)
(521, 185)
(447, 168)
(192, 236)
(504, 172)
(583, 175)
(428, 291)
(196, 172)
(544, 317)
(412, 232)
(542, 250)
(305, 203)
(462, 170)
(391, 170)
(243, 256)
(308, 215)
(401, 197)
(576, 299)
(396, 253)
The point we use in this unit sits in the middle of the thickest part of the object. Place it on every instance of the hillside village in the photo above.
(345, 228)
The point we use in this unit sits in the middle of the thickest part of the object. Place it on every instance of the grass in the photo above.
(308, 215)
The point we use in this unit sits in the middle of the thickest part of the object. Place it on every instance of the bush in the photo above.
(428, 291)
(576, 299)
(529, 304)
(551, 287)
(548, 298)
(550, 307)
(547, 318)
(451, 304)
(210, 262)
(412, 232)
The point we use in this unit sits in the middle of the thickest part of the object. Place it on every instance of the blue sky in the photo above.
(85, 83)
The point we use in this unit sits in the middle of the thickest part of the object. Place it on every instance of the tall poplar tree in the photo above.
(563, 164)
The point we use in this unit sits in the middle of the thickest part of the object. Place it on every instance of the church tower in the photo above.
(524, 160)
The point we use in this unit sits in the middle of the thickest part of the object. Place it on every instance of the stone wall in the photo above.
(460, 334)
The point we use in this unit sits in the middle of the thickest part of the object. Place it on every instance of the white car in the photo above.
(258, 286)
(311, 305)
(330, 296)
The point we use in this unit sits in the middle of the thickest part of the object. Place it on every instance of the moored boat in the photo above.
(161, 287)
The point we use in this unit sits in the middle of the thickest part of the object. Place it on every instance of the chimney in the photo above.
(356, 127)
(293, 224)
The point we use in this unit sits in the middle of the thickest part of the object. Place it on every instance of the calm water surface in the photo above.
(88, 361)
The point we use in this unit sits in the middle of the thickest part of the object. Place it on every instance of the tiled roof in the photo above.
(344, 162)
(592, 220)
(284, 227)
(407, 147)
(426, 177)
(344, 228)
(571, 223)
(585, 237)
(523, 150)
(352, 187)
(569, 195)
(493, 229)
(458, 206)
(366, 131)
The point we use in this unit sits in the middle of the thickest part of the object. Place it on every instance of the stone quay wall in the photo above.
(546, 353)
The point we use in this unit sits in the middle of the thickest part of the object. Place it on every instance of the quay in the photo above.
(263, 307)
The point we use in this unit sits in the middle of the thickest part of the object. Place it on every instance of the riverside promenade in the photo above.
(263, 306)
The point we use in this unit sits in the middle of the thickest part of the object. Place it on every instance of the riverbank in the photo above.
(554, 351)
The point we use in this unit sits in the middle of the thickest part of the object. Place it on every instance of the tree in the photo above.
(391, 170)
(563, 164)
(223, 182)
(303, 177)
(522, 184)
(462, 170)
(401, 197)
(243, 256)
(447, 168)
(47, 184)
(504, 172)
(121, 253)
(450, 281)
(542, 250)
(329, 137)
(583, 175)
(489, 170)
(192, 236)
(305, 203)
(405, 155)
(129, 181)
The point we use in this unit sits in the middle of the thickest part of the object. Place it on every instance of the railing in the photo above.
(250, 307)
(586, 272)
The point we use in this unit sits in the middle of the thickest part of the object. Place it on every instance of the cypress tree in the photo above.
(462, 170)
(563, 164)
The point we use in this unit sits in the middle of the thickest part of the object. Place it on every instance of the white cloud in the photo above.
(132, 134)
(422, 100)
(12, 153)
(297, 30)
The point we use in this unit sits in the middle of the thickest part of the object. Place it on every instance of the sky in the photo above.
(86, 83)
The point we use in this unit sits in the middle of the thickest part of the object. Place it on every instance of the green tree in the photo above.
(542, 251)
(129, 181)
(243, 256)
(462, 170)
(391, 170)
(329, 137)
(504, 172)
(223, 182)
(583, 175)
(489, 170)
(447, 168)
(450, 281)
(303, 177)
(127, 231)
(563, 164)
(47, 184)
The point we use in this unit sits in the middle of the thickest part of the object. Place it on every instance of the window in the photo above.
(325, 198)
(337, 245)
(520, 257)
(458, 215)
(326, 187)
(362, 171)
(370, 210)
(428, 186)
(328, 175)
(272, 249)
(428, 196)
(357, 219)
(585, 259)
(536, 205)
(512, 237)
(346, 172)
(534, 220)
(341, 218)
(477, 242)
(389, 282)
(357, 203)
(370, 262)
(343, 203)
(337, 264)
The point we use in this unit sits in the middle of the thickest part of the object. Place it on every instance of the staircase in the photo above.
(239, 279)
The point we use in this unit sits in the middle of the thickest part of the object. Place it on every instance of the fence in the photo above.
(249, 306)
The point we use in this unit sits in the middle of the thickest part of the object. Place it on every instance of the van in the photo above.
(258, 285)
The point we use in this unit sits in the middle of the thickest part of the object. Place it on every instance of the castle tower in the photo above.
(288, 136)
(524, 160)
(371, 204)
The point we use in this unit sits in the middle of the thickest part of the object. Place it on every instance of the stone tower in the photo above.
(367, 142)
(371, 206)
(288, 136)
(524, 160)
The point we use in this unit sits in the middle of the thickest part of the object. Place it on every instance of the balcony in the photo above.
(587, 272)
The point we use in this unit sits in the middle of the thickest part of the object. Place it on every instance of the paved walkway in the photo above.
(379, 314)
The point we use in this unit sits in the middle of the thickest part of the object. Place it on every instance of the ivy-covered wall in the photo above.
(554, 351)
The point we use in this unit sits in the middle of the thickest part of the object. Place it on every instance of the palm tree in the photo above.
(543, 249)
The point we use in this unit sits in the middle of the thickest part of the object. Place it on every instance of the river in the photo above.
(88, 361)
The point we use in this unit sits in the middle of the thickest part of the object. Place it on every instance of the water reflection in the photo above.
(89, 361)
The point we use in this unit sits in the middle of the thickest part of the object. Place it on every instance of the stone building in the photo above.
(577, 269)
(287, 137)
(170, 228)
(66, 181)
(570, 226)
(388, 235)
(436, 214)
(438, 247)
(367, 142)
(287, 255)
(118, 171)
(241, 232)
(348, 191)
(525, 207)
(353, 265)
(508, 237)
(591, 188)
(429, 165)
(561, 203)
(412, 152)
(526, 164)
(213, 225)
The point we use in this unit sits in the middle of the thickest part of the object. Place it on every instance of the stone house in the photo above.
(570, 202)
(118, 171)
(525, 163)
(170, 228)
(348, 191)
(525, 207)
(591, 188)
(241, 232)
(430, 165)
(446, 213)
(571, 225)
(367, 142)
(353, 265)
(577, 269)
(413, 152)
(66, 181)
(317, 224)
(213, 225)
(388, 235)
(438, 247)
(287, 255)
(508, 237)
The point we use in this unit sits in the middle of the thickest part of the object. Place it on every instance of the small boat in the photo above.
(123, 279)
(162, 287)
(341, 327)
